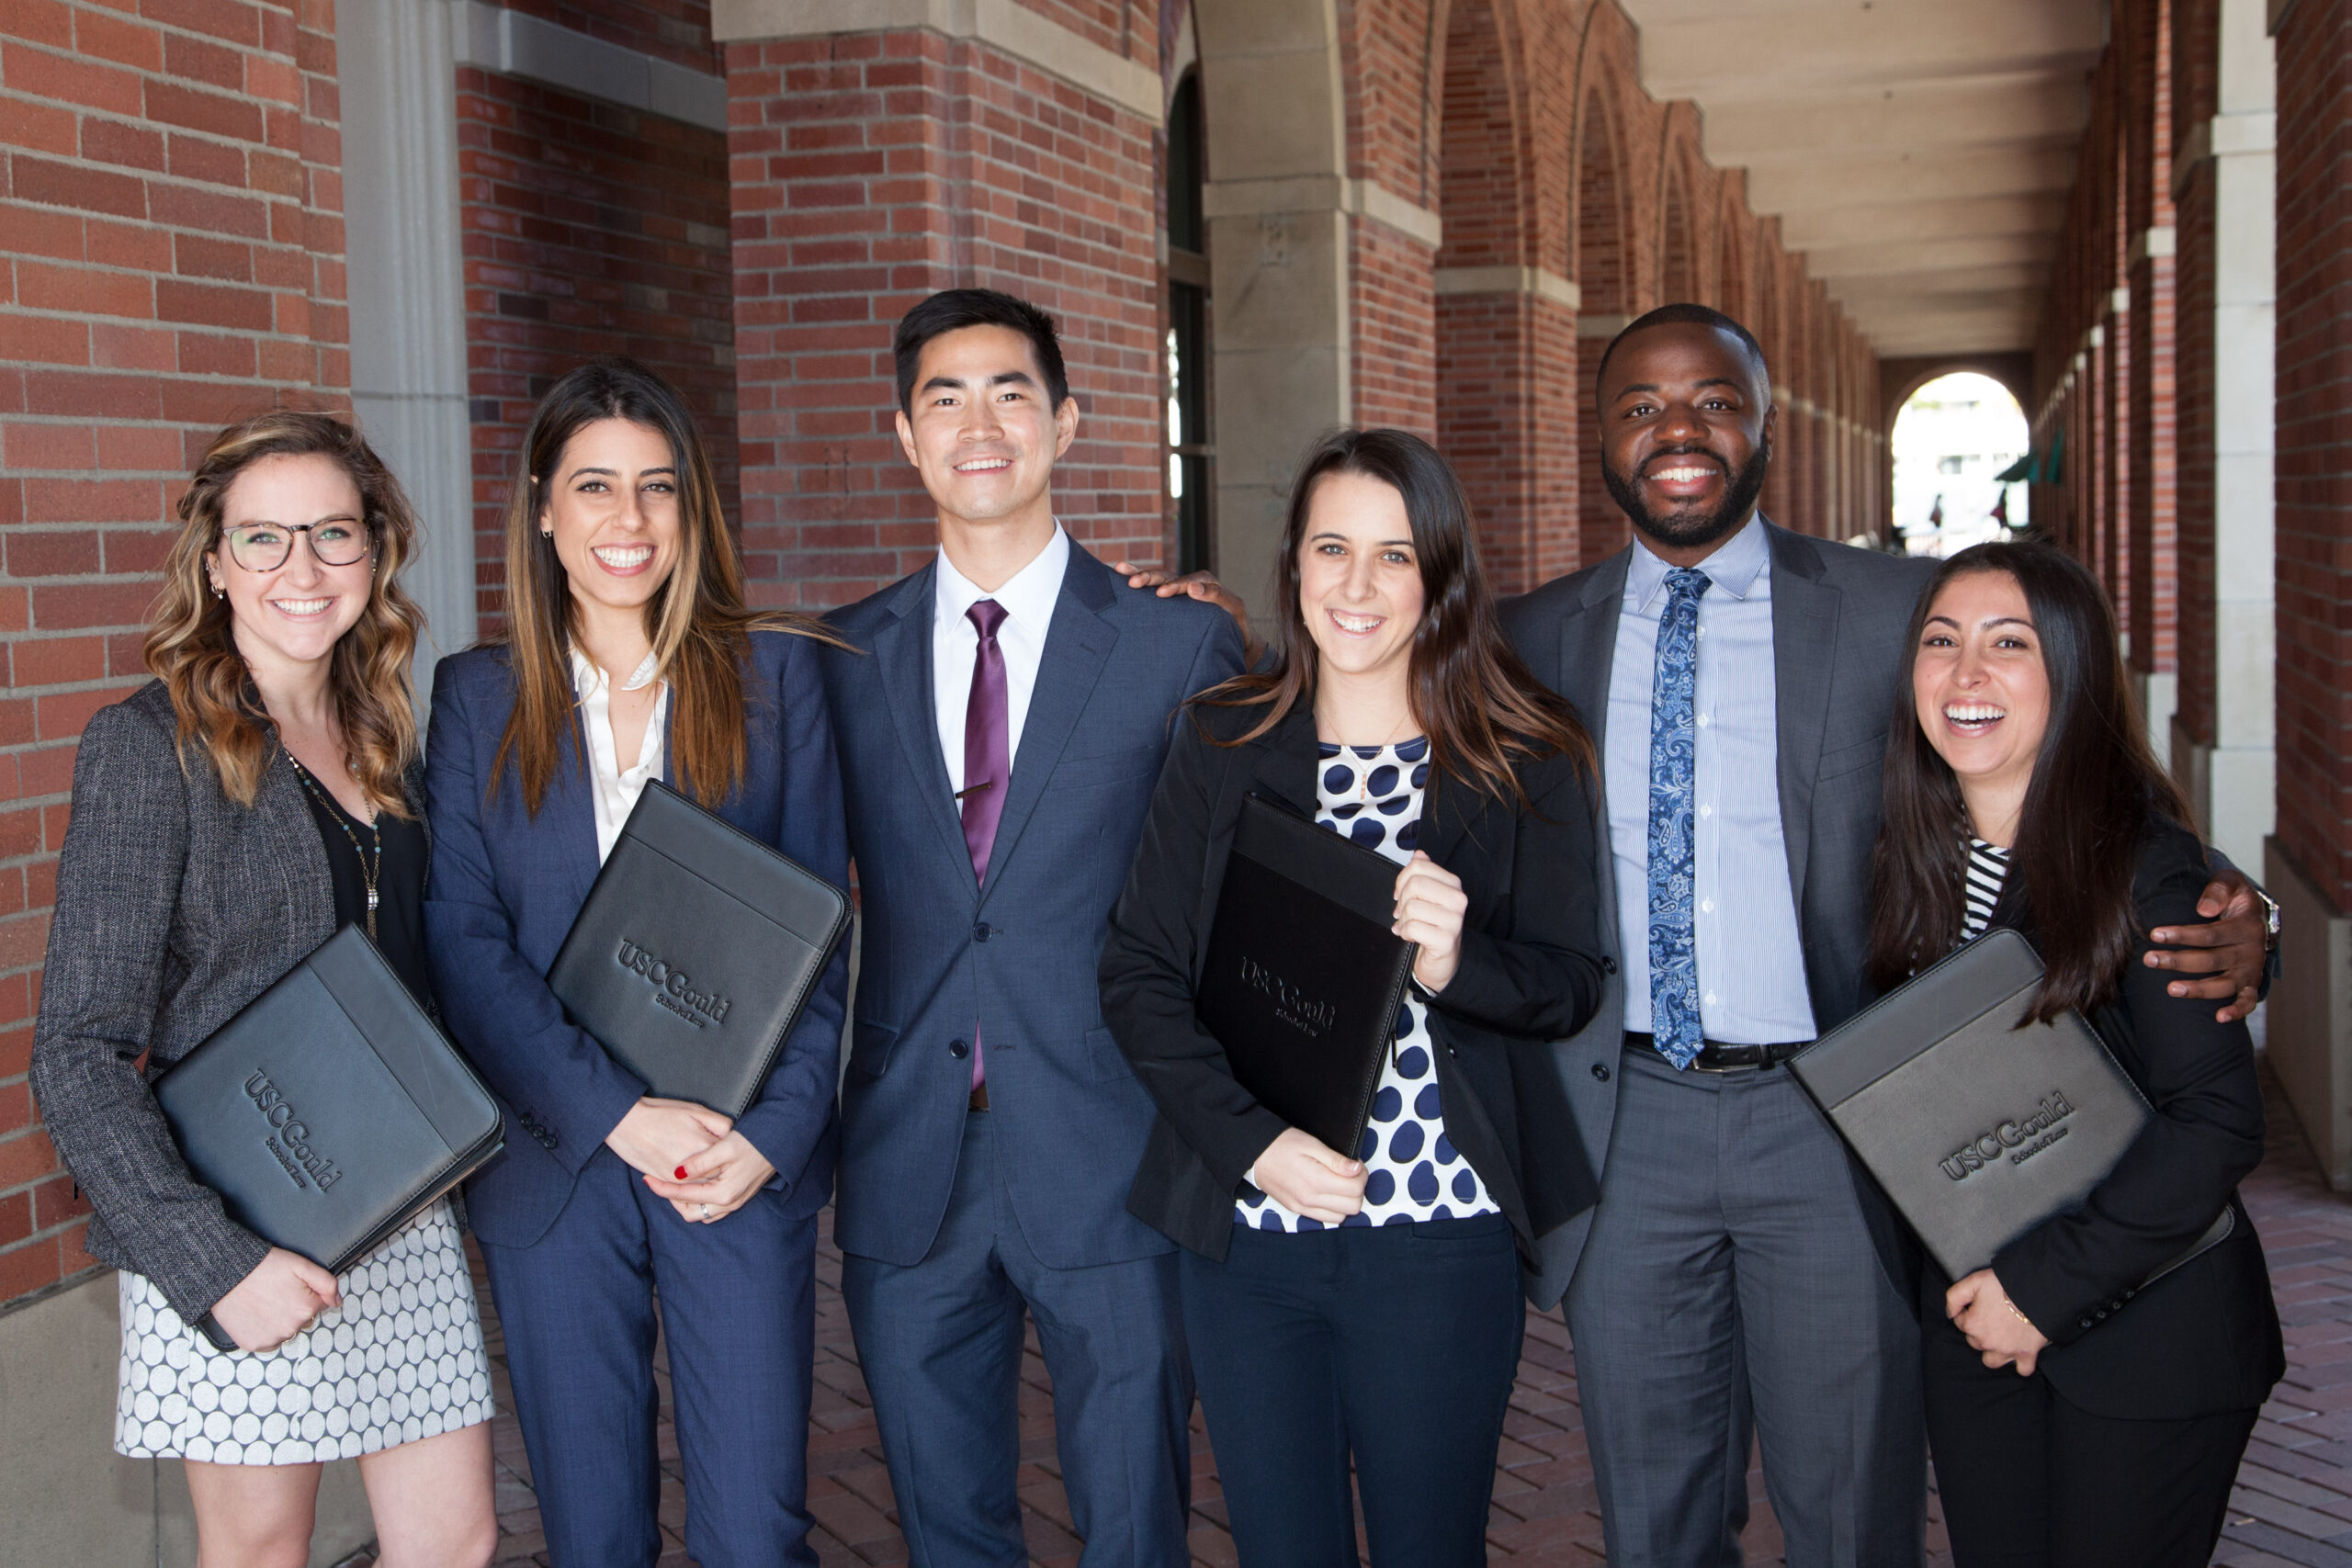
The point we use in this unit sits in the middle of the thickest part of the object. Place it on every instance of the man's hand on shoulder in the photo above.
(2231, 955)
(1201, 585)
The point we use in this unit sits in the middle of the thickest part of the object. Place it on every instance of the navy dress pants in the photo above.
(1396, 1344)
(738, 1309)
(940, 1344)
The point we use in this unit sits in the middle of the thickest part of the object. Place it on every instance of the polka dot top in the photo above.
(1374, 794)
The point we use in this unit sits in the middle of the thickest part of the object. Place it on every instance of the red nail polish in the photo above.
(682, 1173)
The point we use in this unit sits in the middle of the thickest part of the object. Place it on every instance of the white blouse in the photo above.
(616, 788)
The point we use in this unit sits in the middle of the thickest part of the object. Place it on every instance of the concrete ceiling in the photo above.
(1918, 152)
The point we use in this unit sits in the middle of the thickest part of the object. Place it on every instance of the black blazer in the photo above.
(2204, 1338)
(1530, 972)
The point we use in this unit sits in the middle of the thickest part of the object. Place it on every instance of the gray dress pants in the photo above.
(1729, 1284)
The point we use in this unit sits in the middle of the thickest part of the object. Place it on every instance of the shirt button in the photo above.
(1707, 906)
(1710, 998)
(1706, 811)
(1704, 721)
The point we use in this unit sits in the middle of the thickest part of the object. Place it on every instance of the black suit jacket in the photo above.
(2205, 1337)
(1530, 971)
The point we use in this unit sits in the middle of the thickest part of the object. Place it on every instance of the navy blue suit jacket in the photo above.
(506, 886)
(938, 955)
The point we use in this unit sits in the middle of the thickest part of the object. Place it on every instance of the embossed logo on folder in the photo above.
(672, 989)
(2020, 1139)
(288, 1141)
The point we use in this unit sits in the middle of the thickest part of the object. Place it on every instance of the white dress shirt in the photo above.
(1751, 955)
(1028, 600)
(616, 788)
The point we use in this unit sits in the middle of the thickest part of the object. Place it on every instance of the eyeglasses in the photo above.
(264, 546)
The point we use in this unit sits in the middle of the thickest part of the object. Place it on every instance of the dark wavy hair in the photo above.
(1479, 706)
(2095, 794)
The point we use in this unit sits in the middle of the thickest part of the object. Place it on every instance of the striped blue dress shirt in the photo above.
(1751, 958)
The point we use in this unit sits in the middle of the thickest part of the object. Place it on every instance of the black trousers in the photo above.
(2030, 1481)
(1395, 1343)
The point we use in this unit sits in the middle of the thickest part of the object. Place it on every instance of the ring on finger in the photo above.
(705, 1214)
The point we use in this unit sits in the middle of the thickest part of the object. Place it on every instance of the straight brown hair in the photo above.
(2096, 793)
(1478, 703)
(697, 622)
(191, 646)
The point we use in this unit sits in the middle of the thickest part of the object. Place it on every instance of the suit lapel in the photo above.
(902, 655)
(1078, 645)
(1804, 648)
(1588, 644)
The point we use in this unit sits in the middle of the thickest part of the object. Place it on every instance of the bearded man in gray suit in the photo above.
(1740, 1272)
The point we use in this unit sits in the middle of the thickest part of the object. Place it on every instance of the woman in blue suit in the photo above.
(629, 654)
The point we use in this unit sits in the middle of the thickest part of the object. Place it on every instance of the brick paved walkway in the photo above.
(2294, 1504)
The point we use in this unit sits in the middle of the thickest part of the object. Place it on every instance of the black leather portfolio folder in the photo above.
(1979, 1126)
(694, 951)
(331, 1111)
(1303, 977)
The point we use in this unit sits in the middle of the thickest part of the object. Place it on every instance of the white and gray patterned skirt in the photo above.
(401, 1359)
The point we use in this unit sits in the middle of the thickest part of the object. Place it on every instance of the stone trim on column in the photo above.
(1002, 24)
(1530, 280)
(515, 43)
(1327, 193)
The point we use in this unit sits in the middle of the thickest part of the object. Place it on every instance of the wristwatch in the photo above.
(2270, 932)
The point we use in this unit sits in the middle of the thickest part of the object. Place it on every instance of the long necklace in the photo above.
(367, 872)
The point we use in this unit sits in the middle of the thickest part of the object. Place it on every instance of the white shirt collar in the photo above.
(1737, 562)
(1027, 597)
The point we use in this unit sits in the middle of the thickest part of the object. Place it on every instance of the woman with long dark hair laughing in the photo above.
(2076, 1416)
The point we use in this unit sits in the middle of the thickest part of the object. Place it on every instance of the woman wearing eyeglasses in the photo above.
(261, 792)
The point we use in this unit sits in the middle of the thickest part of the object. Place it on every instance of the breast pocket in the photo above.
(1870, 753)
(1107, 768)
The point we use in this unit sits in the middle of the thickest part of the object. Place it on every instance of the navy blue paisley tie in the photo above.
(1674, 958)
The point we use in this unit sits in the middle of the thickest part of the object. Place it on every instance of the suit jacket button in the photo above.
(958, 1049)
(1607, 965)
(980, 932)
(1600, 1071)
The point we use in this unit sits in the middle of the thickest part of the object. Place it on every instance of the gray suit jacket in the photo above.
(1838, 618)
(175, 907)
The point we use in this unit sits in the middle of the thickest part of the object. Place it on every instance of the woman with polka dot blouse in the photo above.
(230, 816)
(1364, 1303)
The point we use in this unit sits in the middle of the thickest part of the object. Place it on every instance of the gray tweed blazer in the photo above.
(175, 907)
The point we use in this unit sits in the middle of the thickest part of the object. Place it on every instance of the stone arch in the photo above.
(1506, 325)
(1604, 268)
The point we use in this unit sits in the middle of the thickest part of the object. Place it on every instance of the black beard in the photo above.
(1687, 530)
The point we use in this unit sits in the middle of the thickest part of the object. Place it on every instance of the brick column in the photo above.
(171, 258)
(1509, 386)
(869, 169)
(2310, 860)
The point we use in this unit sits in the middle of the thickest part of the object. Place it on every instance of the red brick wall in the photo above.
(171, 245)
(2315, 450)
(2192, 56)
(1395, 328)
(2145, 32)
(870, 170)
(588, 229)
(675, 31)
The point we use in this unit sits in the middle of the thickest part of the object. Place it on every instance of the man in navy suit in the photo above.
(1000, 730)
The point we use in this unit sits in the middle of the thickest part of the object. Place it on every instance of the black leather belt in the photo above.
(1717, 1058)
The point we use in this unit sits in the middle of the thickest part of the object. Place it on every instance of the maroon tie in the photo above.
(987, 758)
